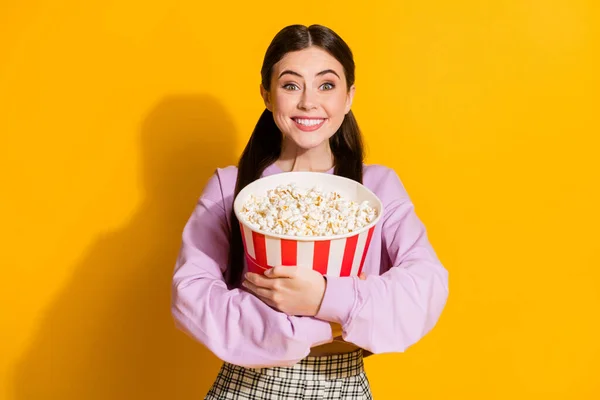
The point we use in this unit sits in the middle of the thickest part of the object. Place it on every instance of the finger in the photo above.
(362, 276)
(282, 271)
(257, 290)
(260, 281)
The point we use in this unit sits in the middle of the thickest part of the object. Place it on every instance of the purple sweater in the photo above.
(399, 302)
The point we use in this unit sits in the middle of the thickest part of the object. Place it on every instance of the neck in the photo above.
(293, 158)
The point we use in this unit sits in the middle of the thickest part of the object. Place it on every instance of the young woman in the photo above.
(275, 333)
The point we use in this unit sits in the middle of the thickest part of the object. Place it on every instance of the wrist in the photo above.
(321, 293)
(339, 299)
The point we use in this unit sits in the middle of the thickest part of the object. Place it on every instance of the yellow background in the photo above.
(114, 113)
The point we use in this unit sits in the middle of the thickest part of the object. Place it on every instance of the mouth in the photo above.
(309, 124)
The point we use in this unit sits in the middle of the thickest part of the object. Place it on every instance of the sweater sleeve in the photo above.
(392, 311)
(234, 324)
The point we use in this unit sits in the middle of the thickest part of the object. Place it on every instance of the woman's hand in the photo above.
(292, 290)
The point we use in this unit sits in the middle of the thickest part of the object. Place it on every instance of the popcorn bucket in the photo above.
(335, 255)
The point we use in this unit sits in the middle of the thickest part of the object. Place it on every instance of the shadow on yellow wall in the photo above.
(109, 334)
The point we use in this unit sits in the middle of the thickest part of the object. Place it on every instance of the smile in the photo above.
(308, 125)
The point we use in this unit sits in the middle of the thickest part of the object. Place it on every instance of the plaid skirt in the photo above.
(338, 376)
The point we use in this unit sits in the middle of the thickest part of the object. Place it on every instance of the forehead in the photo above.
(308, 62)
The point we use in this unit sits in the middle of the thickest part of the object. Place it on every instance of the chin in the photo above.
(309, 146)
(309, 143)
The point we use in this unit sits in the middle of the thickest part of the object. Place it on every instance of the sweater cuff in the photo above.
(315, 331)
(338, 300)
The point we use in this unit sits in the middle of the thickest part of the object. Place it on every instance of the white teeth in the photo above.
(309, 122)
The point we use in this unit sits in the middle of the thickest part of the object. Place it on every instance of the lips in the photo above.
(311, 127)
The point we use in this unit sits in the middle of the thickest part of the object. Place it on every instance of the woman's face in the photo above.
(308, 96)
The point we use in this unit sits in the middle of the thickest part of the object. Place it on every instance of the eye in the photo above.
(287, 86)
(329, 85)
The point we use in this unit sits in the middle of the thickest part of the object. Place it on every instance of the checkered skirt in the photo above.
(338, 376)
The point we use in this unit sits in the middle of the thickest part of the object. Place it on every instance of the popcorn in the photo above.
(289, 210)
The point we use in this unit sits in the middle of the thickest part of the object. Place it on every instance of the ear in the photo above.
(349, 98)
(266, 97)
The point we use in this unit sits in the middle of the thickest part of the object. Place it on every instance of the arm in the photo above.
(390, 312)
(235, 325)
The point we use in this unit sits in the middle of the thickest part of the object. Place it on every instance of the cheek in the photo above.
(283, 103)
(336, 107)
(280, 108)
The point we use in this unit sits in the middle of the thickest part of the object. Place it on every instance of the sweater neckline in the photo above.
(274, 169)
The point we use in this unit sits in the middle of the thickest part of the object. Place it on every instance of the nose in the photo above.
(307, 100)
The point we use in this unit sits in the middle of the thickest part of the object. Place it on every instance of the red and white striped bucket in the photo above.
(339, 255)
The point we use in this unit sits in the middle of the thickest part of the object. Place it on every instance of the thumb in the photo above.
(362, 276)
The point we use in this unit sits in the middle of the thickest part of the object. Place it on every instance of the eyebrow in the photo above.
(290, 72)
